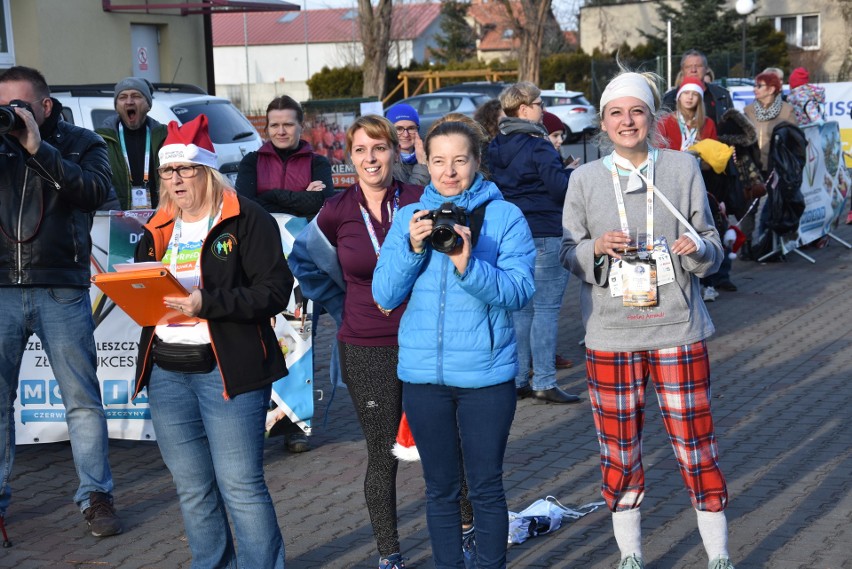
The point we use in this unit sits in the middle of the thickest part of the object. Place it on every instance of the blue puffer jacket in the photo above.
(457, 329)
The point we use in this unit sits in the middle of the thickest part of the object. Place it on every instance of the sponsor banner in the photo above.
(39, 414)
(825, 182)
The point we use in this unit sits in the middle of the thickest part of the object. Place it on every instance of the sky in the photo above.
(565, 10)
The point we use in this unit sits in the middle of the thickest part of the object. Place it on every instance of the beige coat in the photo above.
(764, 129)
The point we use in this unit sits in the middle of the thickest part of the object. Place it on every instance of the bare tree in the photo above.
(527, 19)
(375, 36)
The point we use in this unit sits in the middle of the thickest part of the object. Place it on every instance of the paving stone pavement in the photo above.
(782, 367)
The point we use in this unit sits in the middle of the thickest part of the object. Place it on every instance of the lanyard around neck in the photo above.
(369, 223)
(687, 133)
(127, 158)
(175, 246)
(635, 175)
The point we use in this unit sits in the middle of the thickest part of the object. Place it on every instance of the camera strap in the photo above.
(477, 216)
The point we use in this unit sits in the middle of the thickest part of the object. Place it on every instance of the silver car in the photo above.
(573, 109)
(432, 106)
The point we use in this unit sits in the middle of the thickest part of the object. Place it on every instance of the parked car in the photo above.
(574, 109)
(433, 106)
(492, 89)
(232, 134)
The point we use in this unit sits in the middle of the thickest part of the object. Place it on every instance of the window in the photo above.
(7, 44)
(801, 31)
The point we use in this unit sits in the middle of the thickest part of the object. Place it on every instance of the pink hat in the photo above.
(552, 123)
(691, 84)
(799, 77)
(190, 143)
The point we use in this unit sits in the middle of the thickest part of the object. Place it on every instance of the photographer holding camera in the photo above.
(457, 349)
(53, 175)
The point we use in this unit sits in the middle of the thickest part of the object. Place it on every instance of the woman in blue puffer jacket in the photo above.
(457, 350)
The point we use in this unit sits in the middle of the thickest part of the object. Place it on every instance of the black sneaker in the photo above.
(298, 442)
(101, 516)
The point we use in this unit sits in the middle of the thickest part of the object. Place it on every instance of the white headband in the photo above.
(628, 85)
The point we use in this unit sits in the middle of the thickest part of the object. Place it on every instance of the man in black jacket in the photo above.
(52, 176)
(717, 99)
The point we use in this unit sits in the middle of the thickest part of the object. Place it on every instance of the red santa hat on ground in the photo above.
(189, 143)
(404, 448)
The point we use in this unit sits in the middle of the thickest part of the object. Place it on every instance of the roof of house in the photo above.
(323, 26)
(494, 25)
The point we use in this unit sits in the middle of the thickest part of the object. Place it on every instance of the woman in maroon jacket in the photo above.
(355, 223)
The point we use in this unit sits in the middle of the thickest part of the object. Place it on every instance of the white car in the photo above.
(573, 109)
(232, 134)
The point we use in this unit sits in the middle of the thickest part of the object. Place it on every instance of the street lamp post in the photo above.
(744, 8)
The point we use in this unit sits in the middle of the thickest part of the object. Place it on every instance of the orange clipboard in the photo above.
(140, 294)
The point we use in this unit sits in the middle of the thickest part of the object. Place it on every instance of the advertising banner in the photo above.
(39, 414)
(825, 183)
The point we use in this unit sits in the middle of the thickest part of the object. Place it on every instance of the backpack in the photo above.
(787, 156)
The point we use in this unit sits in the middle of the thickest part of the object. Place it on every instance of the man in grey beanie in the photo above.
(133, 140)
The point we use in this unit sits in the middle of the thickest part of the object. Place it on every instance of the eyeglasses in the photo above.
(167, 172)
(537, 104)
(760, 86)
(406, 129)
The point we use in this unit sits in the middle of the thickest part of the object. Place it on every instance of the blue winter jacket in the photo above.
(457, 329)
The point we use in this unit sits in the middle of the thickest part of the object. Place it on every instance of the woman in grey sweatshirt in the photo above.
(642, 310)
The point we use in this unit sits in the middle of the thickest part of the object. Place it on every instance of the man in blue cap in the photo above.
(411, 166)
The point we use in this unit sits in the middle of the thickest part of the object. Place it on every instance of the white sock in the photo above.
(713, 527)
(627, 527)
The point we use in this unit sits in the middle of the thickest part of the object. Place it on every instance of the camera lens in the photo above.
(443, 238)
(7, 119)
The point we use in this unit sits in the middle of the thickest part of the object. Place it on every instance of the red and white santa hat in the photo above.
(189, 143)
(404, 448)
(691, 84)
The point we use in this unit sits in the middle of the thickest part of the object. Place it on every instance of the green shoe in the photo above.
(720, 562)
(631, 562)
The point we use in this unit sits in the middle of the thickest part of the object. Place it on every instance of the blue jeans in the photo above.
(537, 324)
(214, 449)
(62, 319)
(448, 422)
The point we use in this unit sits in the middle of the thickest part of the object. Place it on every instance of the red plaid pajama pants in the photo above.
(681, 376)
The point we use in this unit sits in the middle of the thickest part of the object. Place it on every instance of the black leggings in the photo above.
(370, 374)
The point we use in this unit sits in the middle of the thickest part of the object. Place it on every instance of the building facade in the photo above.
(820, 29)
(79, 41)
(260, 56)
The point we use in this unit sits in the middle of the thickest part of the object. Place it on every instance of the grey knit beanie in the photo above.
(134, 83)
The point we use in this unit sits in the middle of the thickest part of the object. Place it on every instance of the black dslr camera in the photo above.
(9, 119)
(443, 237)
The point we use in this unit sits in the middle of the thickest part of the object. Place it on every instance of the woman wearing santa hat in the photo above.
(687, 125)
(209, 377)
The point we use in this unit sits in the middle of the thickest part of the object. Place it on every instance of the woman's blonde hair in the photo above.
(513, 96)
(654, 137)
(214, 191)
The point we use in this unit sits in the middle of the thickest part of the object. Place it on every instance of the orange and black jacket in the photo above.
(245, 281)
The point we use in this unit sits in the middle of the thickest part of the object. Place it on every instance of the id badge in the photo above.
(665, 269)
(639, 282)
(615, 279)
(140, 198)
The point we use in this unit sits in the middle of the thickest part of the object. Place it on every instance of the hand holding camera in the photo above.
(17, 118)
(442, 234)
